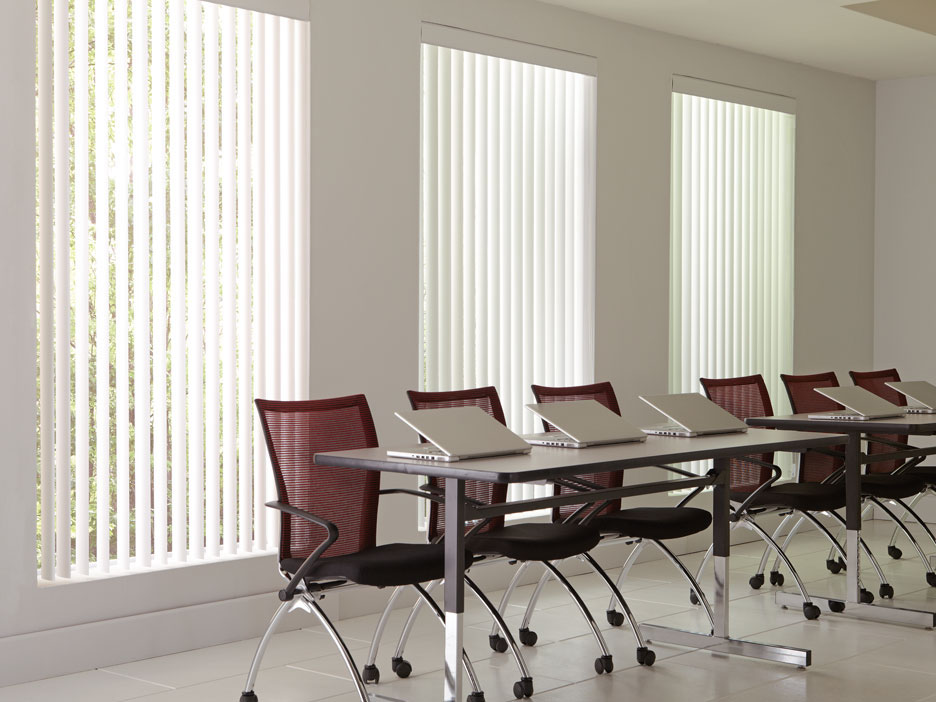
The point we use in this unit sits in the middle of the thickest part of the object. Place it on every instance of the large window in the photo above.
(172, 150)
(731, 255)
(508, 223)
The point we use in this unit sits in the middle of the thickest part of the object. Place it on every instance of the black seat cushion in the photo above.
(892, 486)
(381, 566)
(808, 497)
(535, 541)
(654, 522)
(926, 473)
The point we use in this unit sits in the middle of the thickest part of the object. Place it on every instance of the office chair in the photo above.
(328, 525)
(875, 381)
(637, 525)
(876, 487)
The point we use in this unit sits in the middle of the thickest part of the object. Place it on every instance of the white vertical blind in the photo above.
(731, 274)
(168, 309)
(508, 227)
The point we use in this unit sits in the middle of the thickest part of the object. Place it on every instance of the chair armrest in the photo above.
(760, 488)
(290, 590)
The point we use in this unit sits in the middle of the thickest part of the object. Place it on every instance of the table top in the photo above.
(548, 463)
(918, 424)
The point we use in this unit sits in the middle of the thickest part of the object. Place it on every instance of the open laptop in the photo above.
(921, 392)
(582, 423)
(861, 404)
(458, 433)
(691, 414)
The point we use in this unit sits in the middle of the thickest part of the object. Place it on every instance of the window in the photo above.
(172, 151)
(731, 235)
(508, 219)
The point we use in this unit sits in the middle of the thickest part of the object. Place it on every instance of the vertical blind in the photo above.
(172, 246)
(508, 226)
(731, 246)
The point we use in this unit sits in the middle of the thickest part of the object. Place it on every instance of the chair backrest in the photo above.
(744, 396)
(600, 392)
(295, 431)
(874, 381)
(489, 493)
(814, 467)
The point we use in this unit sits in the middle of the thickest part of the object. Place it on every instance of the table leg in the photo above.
(454, 599)
(853, 516)
(721, 545)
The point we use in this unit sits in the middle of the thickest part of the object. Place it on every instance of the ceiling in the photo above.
(824, 33)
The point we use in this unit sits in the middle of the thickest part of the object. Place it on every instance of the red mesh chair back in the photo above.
(814, 467)
(744, 397)
(874, 381)
(295, 431)
(600, 392)
(489, 493)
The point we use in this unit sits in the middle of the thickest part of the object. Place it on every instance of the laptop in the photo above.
(691, 414)
(862, 404)
(921, 392)
(458, 433)
(582, 423)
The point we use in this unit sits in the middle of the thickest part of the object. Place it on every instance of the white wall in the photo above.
(364, 203)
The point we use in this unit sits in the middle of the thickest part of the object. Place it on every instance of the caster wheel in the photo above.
(695, 600)
(523, 688)
(756, 581)
(833, 566)
(371, 674)
(527, 637)
(866, 596)
(886, 591)
(645, 656)
(836, 606)
(604, 664)
(248, 697)
(497, 643)
(811, 611)
(401, 667)
(931, 579)
(615, 618)
(476, 697)
(776, 578)
(894, 552)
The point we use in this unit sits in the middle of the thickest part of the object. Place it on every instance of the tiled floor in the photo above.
(853, 660)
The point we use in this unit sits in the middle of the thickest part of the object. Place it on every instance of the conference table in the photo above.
(910, 424)
(547, 464)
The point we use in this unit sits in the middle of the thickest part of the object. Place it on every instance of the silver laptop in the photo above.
(921, 392)
(691, 414)
(458, 433)
(862, 404)
(582, 423)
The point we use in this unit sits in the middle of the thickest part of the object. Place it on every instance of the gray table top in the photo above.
(547, 463)
(919, 424)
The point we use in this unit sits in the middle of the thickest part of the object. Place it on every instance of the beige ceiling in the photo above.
(823, 33)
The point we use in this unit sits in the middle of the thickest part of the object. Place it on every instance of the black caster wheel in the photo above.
(756, 581)
(401, 667)
(476, 696)
(645, 656)
(931, 579)
(776, 578)
(523, 688)
(833, 566)
(894, 552)
(248, 697)
(694, 599)
(615, 618)
(497, 643)
(886, 591)
(370, 674)
(604, 664)
(527, 637)
(866, 596)
(811, 611)
(836, 606)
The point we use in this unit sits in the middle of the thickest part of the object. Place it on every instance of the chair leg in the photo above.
(705, 559)
(424, 596)
(886, 590)
(604, 663)
(505, 600)
(524, 630)
(810, 610)
(397, 664)
(693, 584)
(908, 509)
(612, 613)
(892, 550)
(371, 674)
(776, 577)
(930, 575)
(281, 611)
(644, 655)
(523, 688)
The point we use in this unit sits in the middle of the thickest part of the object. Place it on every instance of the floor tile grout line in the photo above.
(132, 677)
